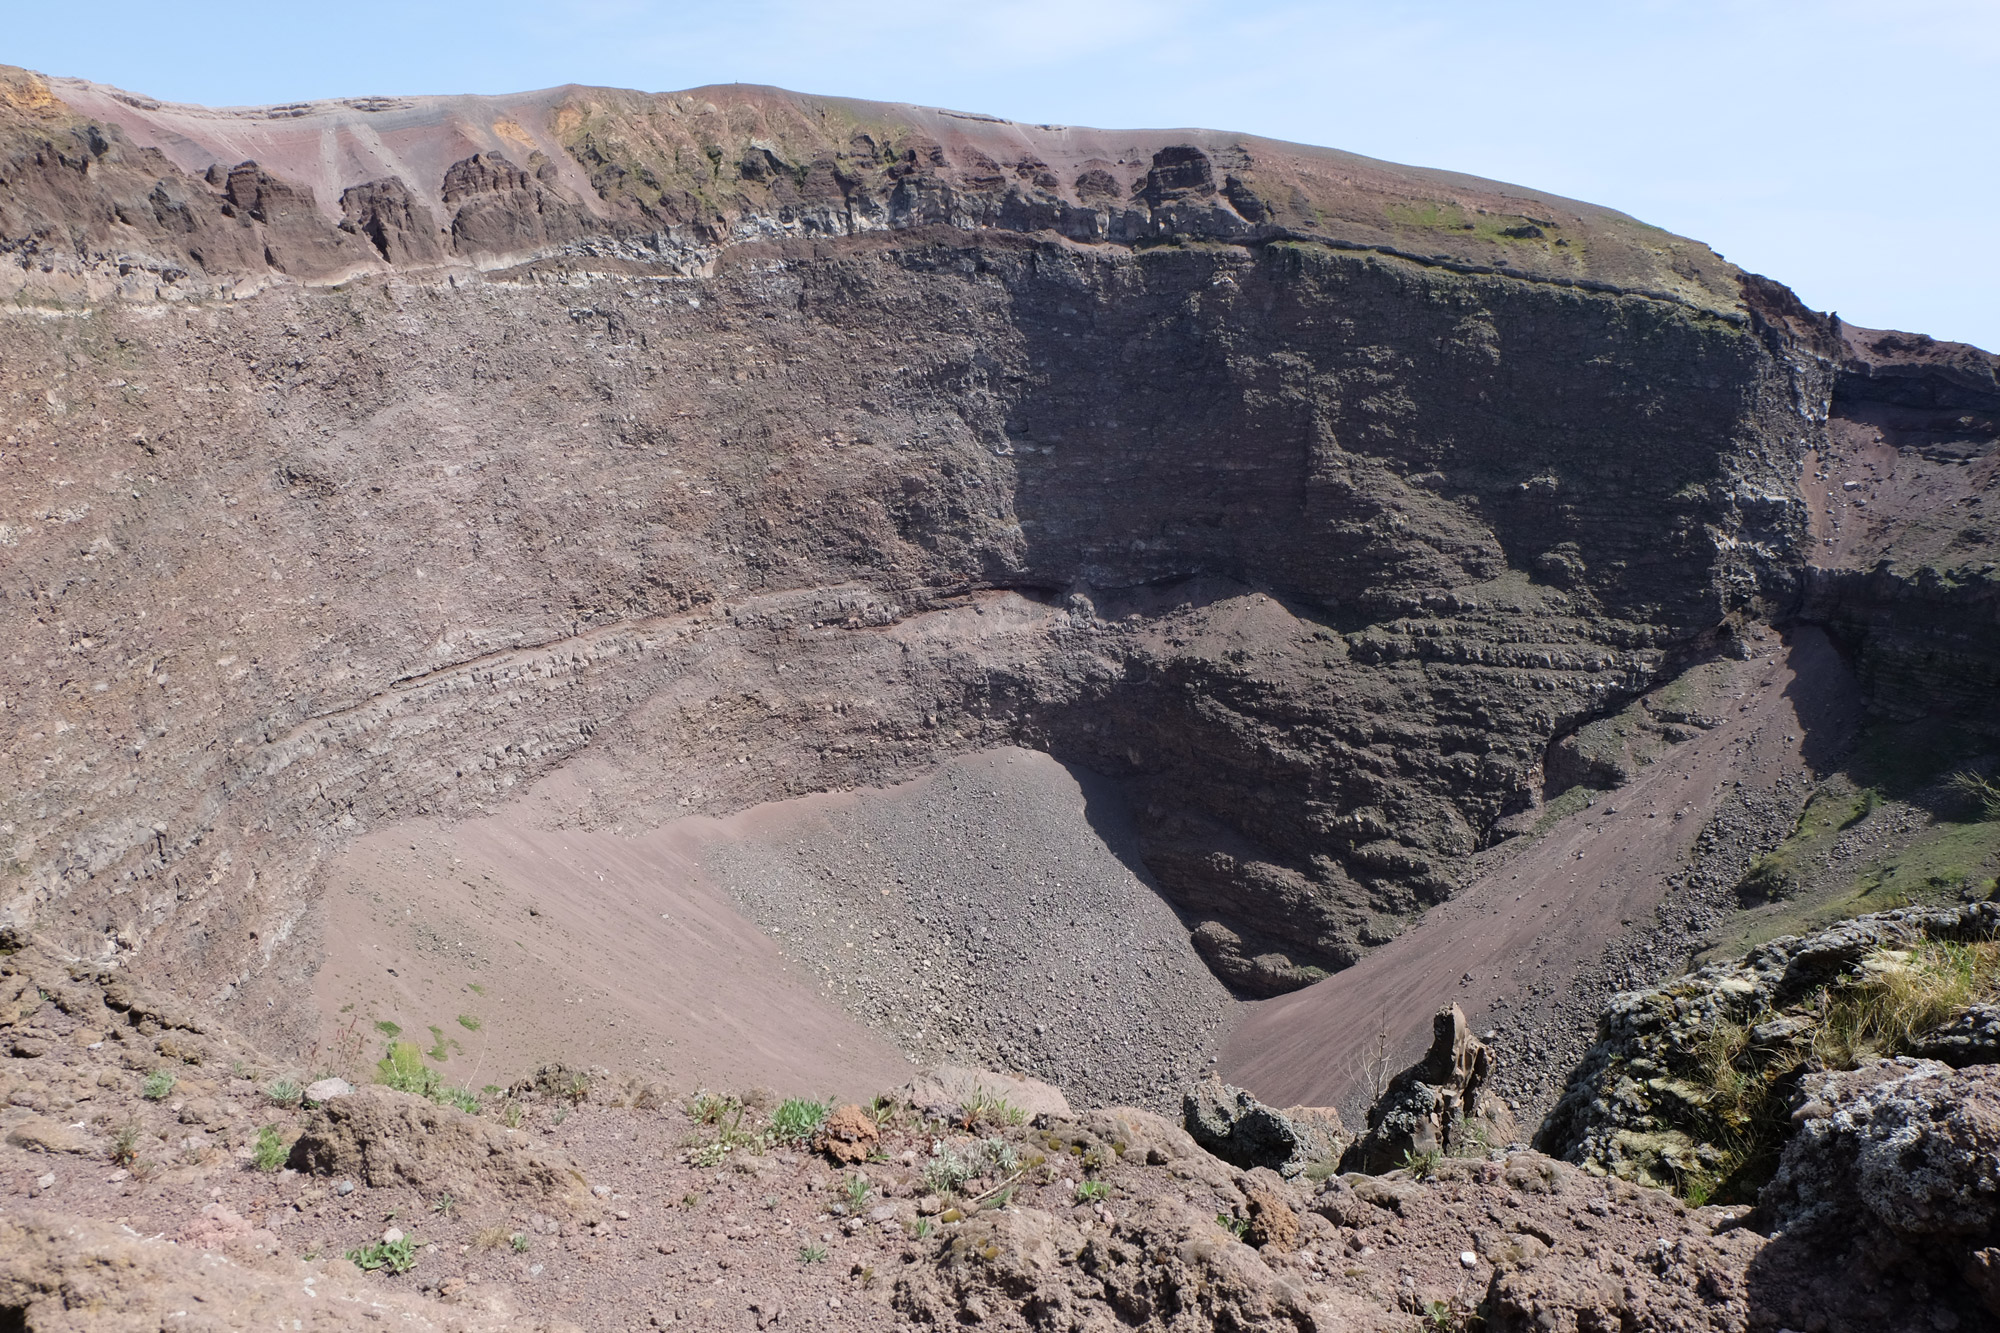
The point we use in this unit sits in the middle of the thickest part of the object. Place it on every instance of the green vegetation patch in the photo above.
(1736, 1088)
(1501, 228)
(1937, 867)
(797, 1119)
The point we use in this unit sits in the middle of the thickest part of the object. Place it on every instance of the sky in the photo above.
(1850, 150)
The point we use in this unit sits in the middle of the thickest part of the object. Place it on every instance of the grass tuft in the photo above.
(797, 1120)
(271, 1149)
(392, 1256)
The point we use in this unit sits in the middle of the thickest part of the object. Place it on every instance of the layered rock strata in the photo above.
(765, 444)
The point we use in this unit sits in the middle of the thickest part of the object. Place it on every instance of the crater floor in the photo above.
(993, 911)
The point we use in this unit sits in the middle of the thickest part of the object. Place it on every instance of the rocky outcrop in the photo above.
(1906, 578)
(1440, 1106)
(1241, 1130)
(951, 1092)
(393, 220)
(1893, 1179)
(1909, 1146)
(1641, 1105)
(1970, 1037)
(387, 1138)
(499, 209)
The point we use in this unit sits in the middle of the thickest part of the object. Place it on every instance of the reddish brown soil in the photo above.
(588, 945)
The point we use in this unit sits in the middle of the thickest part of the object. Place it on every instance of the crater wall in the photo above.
(1310, 511)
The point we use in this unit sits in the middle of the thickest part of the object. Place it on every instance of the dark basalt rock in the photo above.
(1241, 1130)
(1893, 1175)
(389, 216)
(1971, 1038)
(1439, 1105)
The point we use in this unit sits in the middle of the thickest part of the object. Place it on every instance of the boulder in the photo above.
(1972, 1037)
(1910, 1146)
(951, 1091)
(1439, 1105)
(393, 1138)
(1241, 1130)
(1885, 1209)
(849, 1134)
(39, 1134)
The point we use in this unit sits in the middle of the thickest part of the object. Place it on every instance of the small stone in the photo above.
(344, 1187)
(1468, 1259)
(46, 1182)
(601, 1191)
(391, 1236)
(326, 1089)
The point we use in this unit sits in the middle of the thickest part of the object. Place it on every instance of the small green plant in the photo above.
(125, 1144)
(811, 1254)
(468, 1022)
(393, 1256)
(708, 1108)
(1235, 1226)
(923, 1228)
(475, 988)
(1422, 1165)
(402, 1067)
(856, 1193)
(388, 1029)
(690, 1200)
(519, 1240)
(797, 1120)
(980, 1108)
(446, 1206)
(1090, 1191)
(1442, 1317)
(946, 1172)
(1470, 1138)
(283, 1093)
(270, 1151)
(460, 1098)
(437, 1051)
(157, 1085)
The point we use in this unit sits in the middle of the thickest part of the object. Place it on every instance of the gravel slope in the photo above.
(992, 913)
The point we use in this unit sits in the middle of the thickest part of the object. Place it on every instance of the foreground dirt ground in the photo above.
(160, 1173)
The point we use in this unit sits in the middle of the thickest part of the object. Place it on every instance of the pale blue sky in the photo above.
(1851, 150)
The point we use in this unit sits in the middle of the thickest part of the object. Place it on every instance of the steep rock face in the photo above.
(1311, 496)
(1904, 573)
(613, 492)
